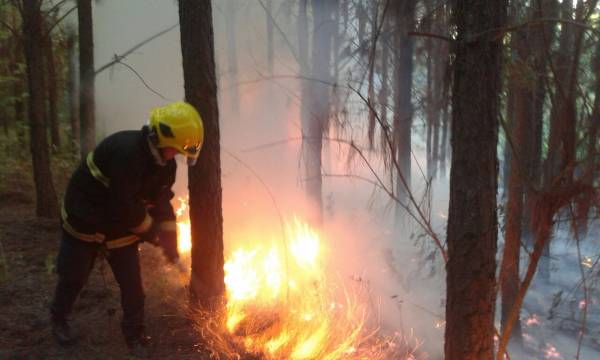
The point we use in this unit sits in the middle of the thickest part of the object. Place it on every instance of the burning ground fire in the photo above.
(282, 304)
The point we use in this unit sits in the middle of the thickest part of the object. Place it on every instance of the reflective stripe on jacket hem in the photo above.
(121, 242)
(97, 237)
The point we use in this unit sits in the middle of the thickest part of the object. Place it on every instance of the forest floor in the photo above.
(28, 248)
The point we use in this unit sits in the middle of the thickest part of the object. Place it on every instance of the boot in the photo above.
(62, 333)
(139, 347)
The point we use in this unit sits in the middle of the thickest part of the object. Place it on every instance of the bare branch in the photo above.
(144, 81)
(118, 58)
(60, 19)
(430, 35)
(287, 41)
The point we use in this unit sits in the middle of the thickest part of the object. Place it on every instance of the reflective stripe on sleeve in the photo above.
(168, 225)
(143, 226)
(95, 171)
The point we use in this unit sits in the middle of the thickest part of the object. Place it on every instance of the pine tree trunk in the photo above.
(318, 118)
(87, 103)
(472, 222)
(542, 38)
(402, 125)
(384, 65)
(206, 215)
(46, 201)
(509, 269)
(371, 87)
(73, 87)
(562, 118)
(51, 85)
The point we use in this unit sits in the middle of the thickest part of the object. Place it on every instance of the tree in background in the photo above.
(404, 15)
(46, 201)
(52, 81)
(73, 85)
(472, 220)
(206, 215)
(87, 104)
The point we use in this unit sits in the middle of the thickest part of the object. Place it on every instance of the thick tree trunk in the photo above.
(87, 103)
(472, 222)
(73, 87)
(51, 85)
(46, 201)
(403, 109)
(206, 215)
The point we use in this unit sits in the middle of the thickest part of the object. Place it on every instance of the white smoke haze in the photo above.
(260, 126)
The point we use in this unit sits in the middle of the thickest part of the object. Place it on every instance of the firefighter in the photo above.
(119, 196)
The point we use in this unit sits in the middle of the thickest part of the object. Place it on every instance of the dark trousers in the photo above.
(74, 264)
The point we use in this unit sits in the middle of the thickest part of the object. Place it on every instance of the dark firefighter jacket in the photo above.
(118, 191)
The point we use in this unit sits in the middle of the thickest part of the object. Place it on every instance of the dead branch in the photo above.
(118, 58)
(60, 19)
(546, 205)
(143, 81)
(425, 220)
(287, 41)
(430, 35)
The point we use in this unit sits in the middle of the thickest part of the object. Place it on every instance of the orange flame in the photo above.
(184, 236)
(281, 305)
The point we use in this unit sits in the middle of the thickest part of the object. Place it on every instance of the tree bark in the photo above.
(206, 215)
(17, 88)
(509, 269)
(87, 103)
(562, 118)
(472, 221)
(385, 81)
(46, 201)
(318, 118)
(402, 123)
(371, 62)
(73, 87)
(542, 38)
(51, 85)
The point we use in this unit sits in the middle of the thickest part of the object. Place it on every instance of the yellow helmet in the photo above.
(178, 125)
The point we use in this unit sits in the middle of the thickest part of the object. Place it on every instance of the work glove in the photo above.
(167, 240)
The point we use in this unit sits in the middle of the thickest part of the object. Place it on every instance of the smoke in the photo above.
(260, 131)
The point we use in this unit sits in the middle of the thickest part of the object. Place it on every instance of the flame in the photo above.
(281, 305)
(184, 236)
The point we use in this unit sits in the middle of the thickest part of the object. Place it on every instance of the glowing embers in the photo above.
(281, 306)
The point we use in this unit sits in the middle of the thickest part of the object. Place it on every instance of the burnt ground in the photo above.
(27, 280)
